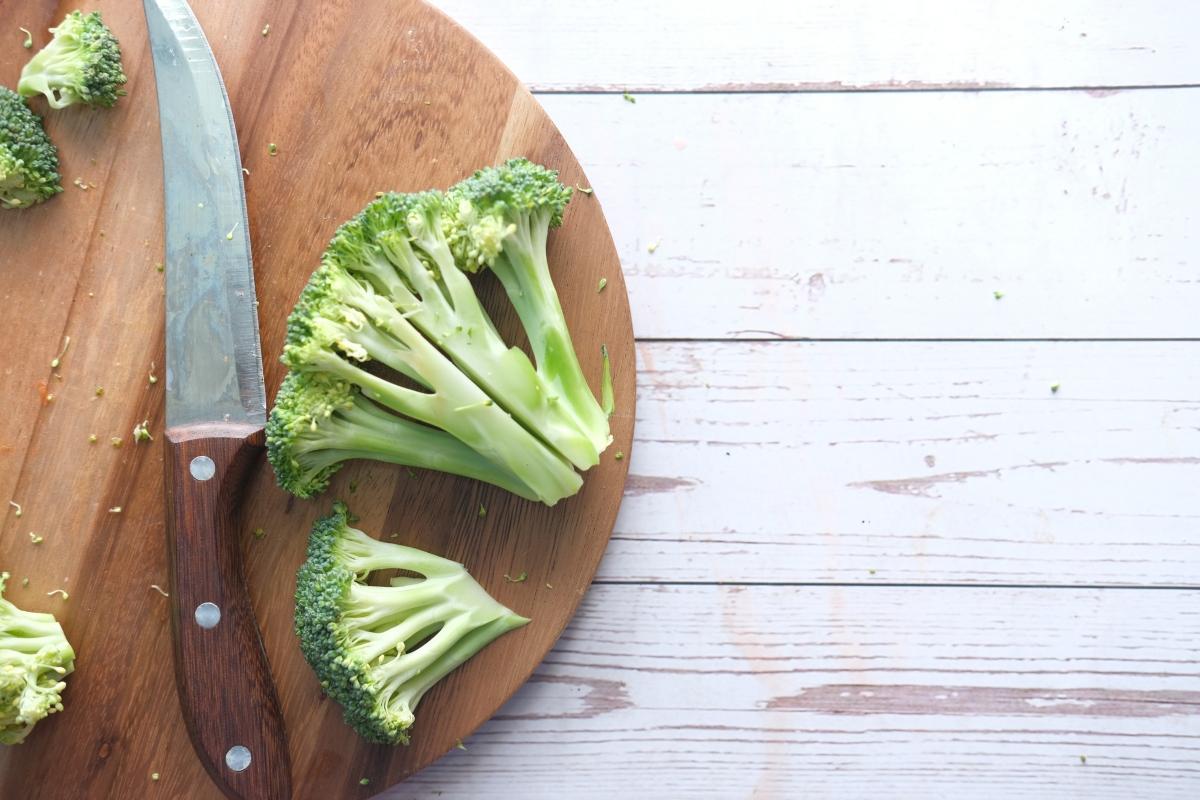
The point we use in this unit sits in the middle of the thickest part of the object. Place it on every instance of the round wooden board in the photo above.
(358, 97)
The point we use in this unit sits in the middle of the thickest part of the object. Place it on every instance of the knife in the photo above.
(216, 410)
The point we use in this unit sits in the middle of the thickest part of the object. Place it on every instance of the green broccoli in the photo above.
(28, 159)
(34, 658)
(377, 649)
(341, 322)
(499, 218)
(81, 64)
(407, 258)
(320, 421)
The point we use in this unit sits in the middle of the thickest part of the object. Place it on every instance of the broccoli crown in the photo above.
(297, 429)
(81, 64)
(34, 658)
(491, 205)
(28, 159)
(377, 649)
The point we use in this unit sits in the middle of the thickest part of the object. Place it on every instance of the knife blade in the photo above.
(216, 410)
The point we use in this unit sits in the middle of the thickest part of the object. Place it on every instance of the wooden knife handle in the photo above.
(225, 686)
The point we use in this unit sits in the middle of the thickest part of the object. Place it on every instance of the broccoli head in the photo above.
(500, 218)
(34, 658)
(320, 421)
(341, 322)
(28, 159)
(378, 649)
(81, 64)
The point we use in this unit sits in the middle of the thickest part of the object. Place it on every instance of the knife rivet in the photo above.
(208, 615)
(202, 468)
(238, 758)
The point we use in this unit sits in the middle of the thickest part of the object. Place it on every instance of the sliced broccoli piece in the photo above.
(401, 250)
(340, 322)
(500, 218)
(319, 422)
(28, 159)
(81, 64)
(377, 649)
(34, 658)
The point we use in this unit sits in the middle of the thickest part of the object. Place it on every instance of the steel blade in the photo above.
(214, 358)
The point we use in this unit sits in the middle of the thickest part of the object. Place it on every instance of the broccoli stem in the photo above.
(449, 312)
(457, 405)
(366, 431)
(524, 272)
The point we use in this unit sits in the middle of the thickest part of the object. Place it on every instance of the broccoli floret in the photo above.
(81, 64)
(377, 649)
(28, 159)
(405, 256)
(319, 422)
(34, 658)
(500, 218)
(340, 322)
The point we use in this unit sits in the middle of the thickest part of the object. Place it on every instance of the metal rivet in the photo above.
(238, 758)
(208, 615)
(202, 468)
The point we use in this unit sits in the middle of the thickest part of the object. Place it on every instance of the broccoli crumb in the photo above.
(54, 362)
(141, 433)
(160, 267)
(459, 744)
(650, 248)
(81, 183)
(115, 510)
(152, 378)
(259, 533)
(229, 236)
(63, 592)
(629, 98)
(588, 191)
(600, 286)
(246, 172)
(159, 589)
(1054, 387)
(364, 782)
(353, 487)
(153, 776)
(17, 506)
(116, 441)
(1083, 759)
(24, 582)
(35, 539)
(617, 456)
(521, 578)
(482, 511)
(549, 586)
(92, 438)
(272, 149)
(28, 43)
(608, 403)
(99, 391)
(998, 294)
(266, 30)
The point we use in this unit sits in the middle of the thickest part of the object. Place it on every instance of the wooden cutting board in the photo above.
(358, 97)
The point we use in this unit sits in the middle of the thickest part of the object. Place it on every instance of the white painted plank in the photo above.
(828, 692)
(836, 44)
(914, 463)
(898, 215)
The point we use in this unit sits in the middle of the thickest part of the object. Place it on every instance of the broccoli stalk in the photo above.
(81, 64)
(500, 218)
(406, 257)
(319, 422)
(378, 649)
(340, 322)
(28, 159)
(34, 658)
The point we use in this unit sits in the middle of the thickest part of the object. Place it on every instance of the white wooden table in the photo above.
(867, 550)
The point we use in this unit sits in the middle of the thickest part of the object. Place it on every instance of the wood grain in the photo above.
(226, 693)
(834, 692)
(436, 107)
(913, 462)
(825, 45)
(898, 215)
